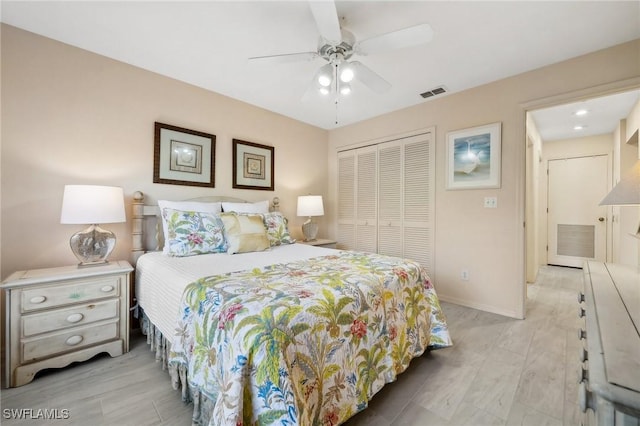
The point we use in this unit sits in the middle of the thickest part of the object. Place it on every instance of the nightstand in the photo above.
(57, 316)
(320, 243)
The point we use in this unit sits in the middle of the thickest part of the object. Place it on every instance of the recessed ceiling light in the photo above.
(581, 112)
(579, 127)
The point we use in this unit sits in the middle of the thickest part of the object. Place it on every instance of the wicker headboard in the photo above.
(142, 243)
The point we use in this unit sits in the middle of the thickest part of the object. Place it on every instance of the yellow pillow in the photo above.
(244, 232)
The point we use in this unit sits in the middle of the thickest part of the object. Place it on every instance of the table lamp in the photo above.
(626, 192)
(310, 205)
(91, 204)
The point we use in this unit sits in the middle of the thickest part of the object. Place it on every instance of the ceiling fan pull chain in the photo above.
(336, 91)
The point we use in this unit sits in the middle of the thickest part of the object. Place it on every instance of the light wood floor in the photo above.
(500, 371)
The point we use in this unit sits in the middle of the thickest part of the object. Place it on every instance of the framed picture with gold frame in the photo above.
(253, 166)
(183, 157)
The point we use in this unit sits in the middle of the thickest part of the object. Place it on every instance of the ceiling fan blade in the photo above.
(326, 17)
(369, 78)
(286, 57)
(407, 37)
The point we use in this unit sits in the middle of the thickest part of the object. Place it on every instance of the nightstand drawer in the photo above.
(71, 340)
(70, 292)
(69, 317)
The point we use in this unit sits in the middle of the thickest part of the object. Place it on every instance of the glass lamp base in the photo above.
(93, 245)
(310, 230)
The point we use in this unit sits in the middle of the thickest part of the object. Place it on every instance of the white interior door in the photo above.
(577, 225)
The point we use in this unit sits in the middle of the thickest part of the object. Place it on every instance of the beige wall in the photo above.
(632, 124)
(74, 117)
(533, 214)
(489, 243)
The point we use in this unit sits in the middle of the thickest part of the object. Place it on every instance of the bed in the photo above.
(289, 335)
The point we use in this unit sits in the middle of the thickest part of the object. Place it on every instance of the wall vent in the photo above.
(433, 92)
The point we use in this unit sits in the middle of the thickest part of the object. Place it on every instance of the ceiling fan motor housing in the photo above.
(332, 52)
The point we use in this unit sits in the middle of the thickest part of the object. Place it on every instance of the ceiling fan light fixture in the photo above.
(346, 72)
(325, 76)
(324, 91)
(345, 89)
(324, 80)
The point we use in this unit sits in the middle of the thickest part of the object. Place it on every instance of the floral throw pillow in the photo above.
(277, 229)
(192, 233)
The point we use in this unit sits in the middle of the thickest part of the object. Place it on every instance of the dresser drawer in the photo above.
(70, 292)
(71, 340)
(43, 322)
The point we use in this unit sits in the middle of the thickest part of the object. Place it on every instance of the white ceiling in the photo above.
(207, 44)
(602, 116)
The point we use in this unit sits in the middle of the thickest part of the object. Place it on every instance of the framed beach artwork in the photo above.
(252, 165)
(474, 157)
(183, 157)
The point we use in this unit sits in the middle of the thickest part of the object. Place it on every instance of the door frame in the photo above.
(524, 186)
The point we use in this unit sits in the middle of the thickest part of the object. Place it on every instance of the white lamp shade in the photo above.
(92, 204)
(325, 75)
(346, 72)
(627, 191)
(310, 205)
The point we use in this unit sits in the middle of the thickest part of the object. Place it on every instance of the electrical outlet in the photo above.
(490, 202)
(464, 275)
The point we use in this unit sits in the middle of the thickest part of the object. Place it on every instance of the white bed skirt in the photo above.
(202, 406)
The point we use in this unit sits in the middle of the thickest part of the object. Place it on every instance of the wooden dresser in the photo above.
(610, 361)
(56, 316)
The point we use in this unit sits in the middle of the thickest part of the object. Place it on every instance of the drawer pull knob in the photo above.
(585, 399)
(580, 297)
(74, 340)
(37, 299)
(107, 288)
(582, 334)
(584, 355)
(581, 312)
(73, 318)
(583, 375)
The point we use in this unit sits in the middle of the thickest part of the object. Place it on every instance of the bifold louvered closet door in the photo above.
(386, 198)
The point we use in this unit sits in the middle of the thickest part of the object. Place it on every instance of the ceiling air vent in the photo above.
(433, 92)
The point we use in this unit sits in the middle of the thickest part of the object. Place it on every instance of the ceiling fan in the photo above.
(337, 46)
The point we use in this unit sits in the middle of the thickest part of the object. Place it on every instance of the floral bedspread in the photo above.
(307, 342)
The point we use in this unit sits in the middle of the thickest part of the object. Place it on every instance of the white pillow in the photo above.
(259, 207)
(193, 206)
